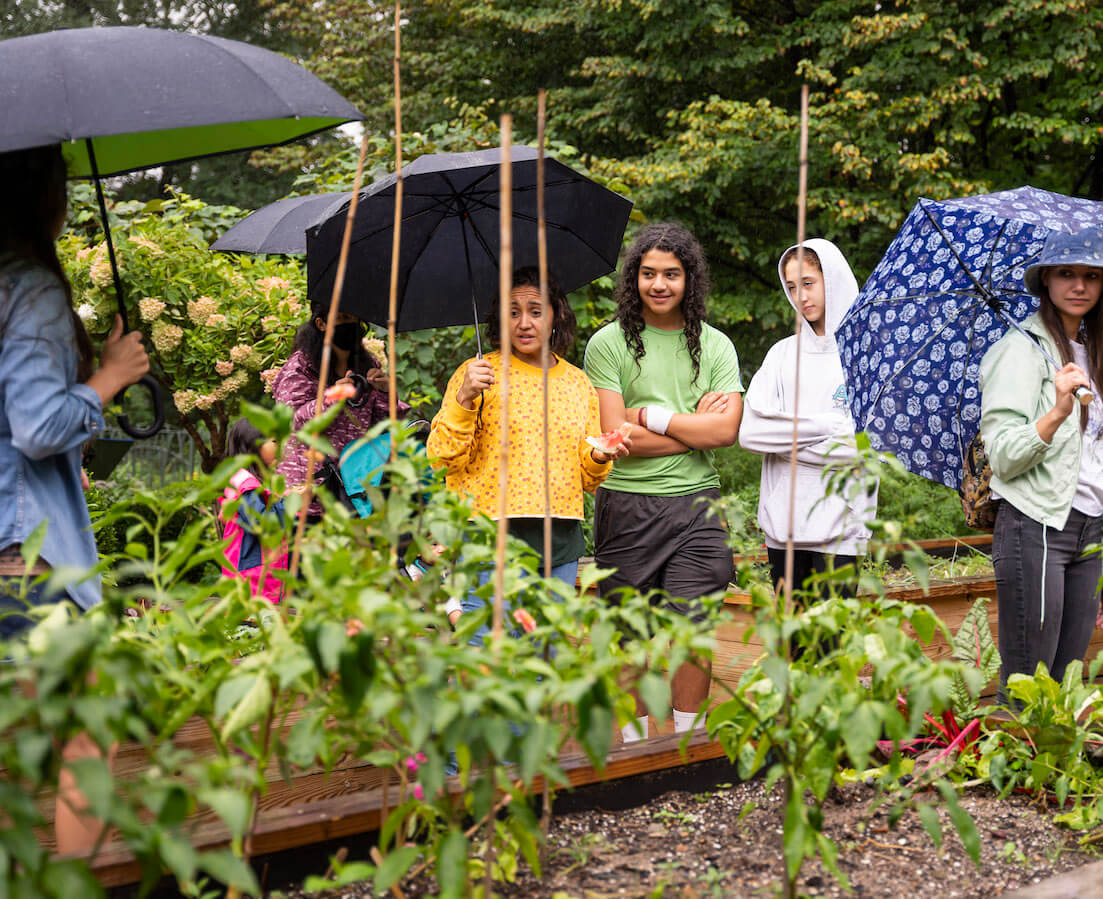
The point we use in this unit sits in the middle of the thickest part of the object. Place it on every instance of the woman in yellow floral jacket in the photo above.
(465, 436)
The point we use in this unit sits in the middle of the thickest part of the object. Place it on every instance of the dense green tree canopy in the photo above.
(691, 106)
(694, 106)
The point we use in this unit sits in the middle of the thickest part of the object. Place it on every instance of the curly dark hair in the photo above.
(35, 199)
(670, 237)
(563, 320)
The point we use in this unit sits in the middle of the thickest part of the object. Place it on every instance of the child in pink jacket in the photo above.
(243, 547)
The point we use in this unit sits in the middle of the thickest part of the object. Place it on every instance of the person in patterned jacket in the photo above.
(296, 385)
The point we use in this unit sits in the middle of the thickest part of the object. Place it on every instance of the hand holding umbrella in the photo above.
(948, 287)
(123, 362)
(123, 99)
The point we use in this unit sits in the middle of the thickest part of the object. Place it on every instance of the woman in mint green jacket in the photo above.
(1047, 462)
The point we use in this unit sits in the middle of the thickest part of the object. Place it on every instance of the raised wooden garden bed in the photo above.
(317, 806)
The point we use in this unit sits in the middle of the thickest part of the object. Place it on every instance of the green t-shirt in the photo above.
(664, 378)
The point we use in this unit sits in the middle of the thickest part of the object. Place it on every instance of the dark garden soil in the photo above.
(724, 840)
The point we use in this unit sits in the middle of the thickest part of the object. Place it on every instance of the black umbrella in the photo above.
(280, 227)
(449, 250)
(122, 99)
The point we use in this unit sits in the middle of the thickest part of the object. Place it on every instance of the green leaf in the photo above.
(963, 823)
(252, 707)
(452, 864)
(231, 806)
(928, 817)
(179, 856)
(32, 545)
(175, 806)
(861, 730)
(654, 689)
(396, 863)
(777, 669)
(94, 779)
(229, 870)
(69, 878)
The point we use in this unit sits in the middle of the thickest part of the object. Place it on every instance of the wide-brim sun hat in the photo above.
(1080, 248)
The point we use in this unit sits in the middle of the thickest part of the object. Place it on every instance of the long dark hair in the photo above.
(563, 320)
(1090, 336)
(310, 341)
(669, 237)
(35, 198)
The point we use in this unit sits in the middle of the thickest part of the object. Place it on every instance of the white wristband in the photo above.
(658, 418)
(453, 605)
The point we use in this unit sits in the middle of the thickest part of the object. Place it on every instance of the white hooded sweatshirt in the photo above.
(825, 432)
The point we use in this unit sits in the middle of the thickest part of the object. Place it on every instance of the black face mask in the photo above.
(346, 336)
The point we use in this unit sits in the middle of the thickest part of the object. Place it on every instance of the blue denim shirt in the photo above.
(45, 416)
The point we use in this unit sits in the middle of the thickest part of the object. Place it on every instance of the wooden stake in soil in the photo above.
(545, 362)
(802, 196)
(545, 348)
(392, 308)
(505, 282)
(327, 352)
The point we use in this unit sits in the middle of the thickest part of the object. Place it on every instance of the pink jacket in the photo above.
(242, 546)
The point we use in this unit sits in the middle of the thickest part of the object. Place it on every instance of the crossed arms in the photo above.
(714, 424)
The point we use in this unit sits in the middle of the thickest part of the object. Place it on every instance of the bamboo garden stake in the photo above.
(545, 348)
(505, 281)
(802, 195)
(327, 353)
(392, 313)
(545, 362)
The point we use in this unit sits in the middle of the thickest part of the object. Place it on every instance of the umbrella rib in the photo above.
(986, 274)
(962, 292)
(483, 204)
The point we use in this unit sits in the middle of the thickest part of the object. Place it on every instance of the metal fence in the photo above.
(168, 456)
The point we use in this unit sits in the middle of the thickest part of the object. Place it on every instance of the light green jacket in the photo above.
(1037, 478)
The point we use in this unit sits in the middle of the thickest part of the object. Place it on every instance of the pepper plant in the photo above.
(835, 675)
(357, 659)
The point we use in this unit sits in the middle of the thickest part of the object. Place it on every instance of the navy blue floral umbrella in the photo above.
(949, 286)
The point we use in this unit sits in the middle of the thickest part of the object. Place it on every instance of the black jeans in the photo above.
(1032, 562)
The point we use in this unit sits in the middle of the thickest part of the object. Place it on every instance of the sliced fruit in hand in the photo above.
(610, 440)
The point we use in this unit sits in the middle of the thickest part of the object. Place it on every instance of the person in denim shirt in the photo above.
(51, 394)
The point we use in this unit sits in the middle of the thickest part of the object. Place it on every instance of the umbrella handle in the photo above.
(1084, 395)
(157, 396)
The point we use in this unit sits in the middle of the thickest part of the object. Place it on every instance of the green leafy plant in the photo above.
(1052, 744)
(829, 684)
(357, 659)
(975, 646)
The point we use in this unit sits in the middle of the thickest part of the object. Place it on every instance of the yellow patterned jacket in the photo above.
(471, 452)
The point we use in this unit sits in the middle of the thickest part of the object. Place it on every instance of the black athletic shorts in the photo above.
(673, 543)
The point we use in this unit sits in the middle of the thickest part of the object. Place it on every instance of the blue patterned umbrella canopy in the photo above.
(950, 286)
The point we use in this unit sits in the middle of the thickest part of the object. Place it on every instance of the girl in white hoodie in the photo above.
(828, 531)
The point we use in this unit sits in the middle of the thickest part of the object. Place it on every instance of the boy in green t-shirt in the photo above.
(675, 378)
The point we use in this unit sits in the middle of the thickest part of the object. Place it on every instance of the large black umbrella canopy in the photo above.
(147, 97)
(122, 99)
(280, 227)
(448, 258)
